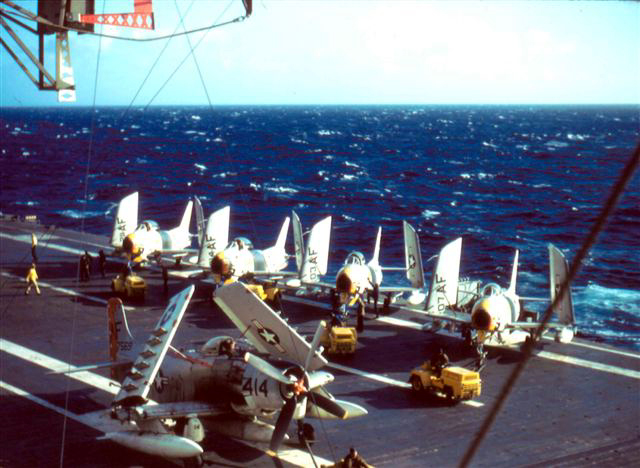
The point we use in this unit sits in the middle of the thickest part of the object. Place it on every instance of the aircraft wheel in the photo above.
(193, 462)
(416, 384)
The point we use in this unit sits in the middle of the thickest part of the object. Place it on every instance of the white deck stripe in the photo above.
(589, 364)
(599, 348)
(369, 375)
(53, 364)
(69, 292)
(293, 456)
(40, 401)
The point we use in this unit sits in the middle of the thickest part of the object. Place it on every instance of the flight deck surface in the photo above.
(575, 404)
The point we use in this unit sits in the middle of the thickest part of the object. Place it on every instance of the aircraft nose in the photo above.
(344, 283)
(220, 265)
(481, 318)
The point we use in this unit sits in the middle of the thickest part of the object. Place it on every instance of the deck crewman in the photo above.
(102, 261)
(32, 280)
(34, 243)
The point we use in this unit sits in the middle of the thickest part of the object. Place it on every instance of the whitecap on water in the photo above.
(348, 177)
(280, 189)
(350, 164)
(430, 214)
(556, 144)
(200, 167)
(78, 214)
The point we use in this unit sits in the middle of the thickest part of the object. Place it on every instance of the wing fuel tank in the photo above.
(162, 445)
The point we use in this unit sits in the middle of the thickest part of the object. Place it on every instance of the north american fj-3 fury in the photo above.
(494, 314)
(140, 242)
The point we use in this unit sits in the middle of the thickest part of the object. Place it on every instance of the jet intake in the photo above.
(128, 246)
(221, 266)
(481, 318)
(344, 284)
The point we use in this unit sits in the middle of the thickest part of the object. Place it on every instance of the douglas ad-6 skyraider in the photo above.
(222, 387)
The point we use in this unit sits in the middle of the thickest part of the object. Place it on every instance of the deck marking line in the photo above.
(589, 364)
(69, 292)
(40, 401)
(293, 456)
(369, 375)
(86, 377)
(599, 348)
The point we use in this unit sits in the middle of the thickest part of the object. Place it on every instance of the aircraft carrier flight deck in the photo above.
(576, 404)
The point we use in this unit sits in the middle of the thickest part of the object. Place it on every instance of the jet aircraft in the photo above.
(358, 278)
(221, 387)
(139, 242)
(492, 312)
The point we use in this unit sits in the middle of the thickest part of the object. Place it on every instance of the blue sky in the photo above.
(360, 52)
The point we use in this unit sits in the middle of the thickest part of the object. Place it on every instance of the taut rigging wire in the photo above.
(610, 204)
(75, 307)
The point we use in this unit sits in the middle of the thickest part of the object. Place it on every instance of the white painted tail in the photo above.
(558, 271)
(316, 255)
(282, 237)
(186, 218)
(413, 257)
(443, 292)
(216, 236)
(514, 275)
(126, 219)
(376, 250)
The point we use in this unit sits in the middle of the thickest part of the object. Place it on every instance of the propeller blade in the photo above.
(282, 424)
(266, 368)
(328, 405)
(314, 343)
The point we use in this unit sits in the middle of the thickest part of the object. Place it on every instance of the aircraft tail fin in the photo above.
(282, 237)
(216, 236)
(126, 219)
(443, 292)
(514, 274)
(316, 255)
(558, 271)
(298, 239)
(186, 218)
(413, 257)
(376, 250)
(200, 221)
(120, 339)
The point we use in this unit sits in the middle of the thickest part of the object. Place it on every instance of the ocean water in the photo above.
(503, 177)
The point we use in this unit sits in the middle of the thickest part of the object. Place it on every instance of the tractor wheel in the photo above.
(416, 384)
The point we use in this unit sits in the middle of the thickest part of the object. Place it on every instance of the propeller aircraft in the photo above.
(223, 387)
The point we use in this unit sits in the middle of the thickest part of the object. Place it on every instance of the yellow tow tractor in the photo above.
(339, 340)
(455, 383)
(270, 294)
(129, 285)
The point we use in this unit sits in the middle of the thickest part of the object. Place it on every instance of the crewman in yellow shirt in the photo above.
(32, 279)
